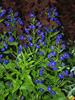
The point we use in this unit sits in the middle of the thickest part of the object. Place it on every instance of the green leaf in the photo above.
(16, 85)
(46, 97)
(27, 86)
(11, 96)
(64, 82)
(37, 39)
(60, 95)
(2, 68)
(4, 95)
(13, 43)
(46, 13)
(42, 86)
(4, 32)
(54, 33)
(8, 76)
(31, 62)
(7, 52)
(28, 79)
(1, 20)
(2, 86)
(1, 75)
(54, 27)
(61, 69)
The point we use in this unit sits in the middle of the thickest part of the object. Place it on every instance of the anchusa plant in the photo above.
(39, 70)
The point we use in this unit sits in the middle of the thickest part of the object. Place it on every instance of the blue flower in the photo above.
(58, 21)
(8, 17)
(49, 88)
(41, 53)
(31, 15)
(44, 43)
(8, 24)
(59, 36)
(41, 89)
(63, 46)
(61, 58)
(48, 64)
(40, 40)
(36, 81)
(41, 73)
(27, 90)
(48, 8)
(46, 27)
(65, 55)
(41, 82)
(48, 55)
(33, 27)
(19, 52)
(30, 39)
(54, 9)
(31, 44)
(51, 60)
(9, 84)
(42, 68)
(47, 30)
(63, 64)
(71, 75)
(57, 40)
(20, 22)
(11, 20)
(30, 27)
(16, 14)
(51, 30)
(55, 19)
(6, 46)
(53, 63)
(56, 30)
(3, 13)
(37, 46)
(12, 28)
(1, 60)
(11, 40)
(6, 61)
(66, 72)
(41, 12)
(49, 14)
(22, 97)
(20, 47)
(42, 37)
(52, 92)
(1, 55)
(68, 56)
(56, 14)
(54, 68)
(26, 30)
(51, 19)
(52, 47)
(54, 53)
(9, 33)
(61, 76)
(10, 9)
(39, 30)
(3, 49)
(25, 46)
(21, 38)
(15, 19)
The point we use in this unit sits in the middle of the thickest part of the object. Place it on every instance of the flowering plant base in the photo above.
(39, 70)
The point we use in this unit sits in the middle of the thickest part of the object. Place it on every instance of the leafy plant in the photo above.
(39, 71)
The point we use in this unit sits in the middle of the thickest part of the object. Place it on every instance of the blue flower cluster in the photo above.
(40, 41)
